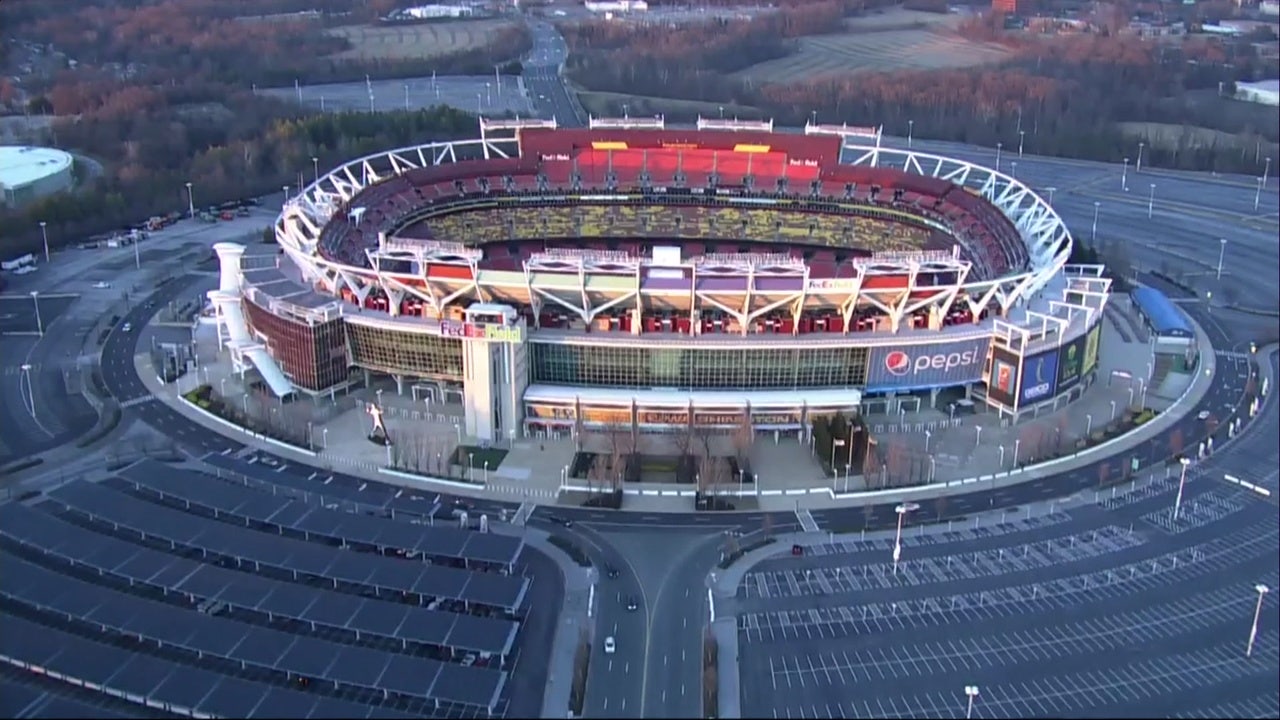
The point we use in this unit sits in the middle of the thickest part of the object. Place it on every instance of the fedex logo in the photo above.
(899, 363)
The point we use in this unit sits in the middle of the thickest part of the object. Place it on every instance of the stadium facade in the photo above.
(631, 274)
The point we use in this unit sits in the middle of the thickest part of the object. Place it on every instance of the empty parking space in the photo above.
(1195, 512)
(1167, 570)
(961, 531)
(1114, 681)
(18, 314)
(980, 564)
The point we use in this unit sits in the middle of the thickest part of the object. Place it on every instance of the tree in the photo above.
(940, 506)
(621, 446)
(1104, 473)
(766, 525)
(713, 473)
(743, 438)
(1175, 442)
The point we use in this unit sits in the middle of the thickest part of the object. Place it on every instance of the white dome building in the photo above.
(28, 173)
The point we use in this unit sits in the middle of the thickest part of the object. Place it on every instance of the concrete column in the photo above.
(229, 277)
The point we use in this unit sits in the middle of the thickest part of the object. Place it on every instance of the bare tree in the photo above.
(684, 441)
(1104, 473)
(621, 446)
(713, 473)
(940, 506)
(744, 437)
(766, 525)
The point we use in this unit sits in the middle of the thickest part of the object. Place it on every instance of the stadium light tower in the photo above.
(1257, 613)
(44, 233)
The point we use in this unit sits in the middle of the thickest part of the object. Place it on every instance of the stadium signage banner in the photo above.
(827, 284)
(953, 362)
(787, 419)
(1039, 377)
(550, 412)
(1091, 349)
(1002, 386)
(1071, 363)
(481, 331)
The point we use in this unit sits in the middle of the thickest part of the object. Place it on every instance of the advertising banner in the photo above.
(1039, 377)
(1091, 341)
(772, 418)
(941, 364)
(549, 412)
(1003, 383)
(607, 416)
(664, 417)
(1071, 363)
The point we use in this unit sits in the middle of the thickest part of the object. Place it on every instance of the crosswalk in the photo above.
(807, 522)
(33, 368)
(523, 512)
(1233, 355)
(522, 491)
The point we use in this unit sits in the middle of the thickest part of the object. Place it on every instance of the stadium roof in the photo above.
(22, 165)
(1163, 315)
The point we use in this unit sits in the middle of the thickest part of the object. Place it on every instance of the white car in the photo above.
(1204, 415)
(126, 327)
(610, 647)
(102, 284)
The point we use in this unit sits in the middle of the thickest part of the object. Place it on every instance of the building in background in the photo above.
(29, 173)
(1265, 92)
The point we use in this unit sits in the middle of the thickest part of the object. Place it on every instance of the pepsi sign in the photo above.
(941, 364)
(1039, 377)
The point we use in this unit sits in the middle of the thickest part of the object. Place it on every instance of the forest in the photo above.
(1068, 94)
(158, 93)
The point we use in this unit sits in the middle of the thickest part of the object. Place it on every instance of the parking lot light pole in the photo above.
(26, 374)
(1222, 254)
(44, 233)
(911, 128)
(927, 436)
(1151, 201)
(902, 511)
(970, 691)
(1093, 233)
(977, 443)
(999, 147)
(35, 297)
(191, 203)
(1088, 425)
(1257, 196)
(315, 169)
(1124, 176)
(1137, 166)
(1253, 631)
(1022, 137)
(1182, 481)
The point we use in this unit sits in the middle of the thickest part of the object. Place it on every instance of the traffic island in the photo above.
(710, 676)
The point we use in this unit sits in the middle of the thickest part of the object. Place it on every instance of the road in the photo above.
(547, 90)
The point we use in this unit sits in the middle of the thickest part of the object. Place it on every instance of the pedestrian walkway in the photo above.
(806, 521)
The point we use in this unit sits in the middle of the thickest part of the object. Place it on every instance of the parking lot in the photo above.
(939, 569)
(1049, 619)
(18, 313)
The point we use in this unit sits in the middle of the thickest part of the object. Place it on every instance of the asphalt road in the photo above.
(542, 79)
(36, 410)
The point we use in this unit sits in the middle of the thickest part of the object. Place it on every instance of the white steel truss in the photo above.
(1045, 236)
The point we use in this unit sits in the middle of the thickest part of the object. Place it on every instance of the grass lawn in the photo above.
(479, 456)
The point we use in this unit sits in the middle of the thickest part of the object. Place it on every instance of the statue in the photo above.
(378, 435)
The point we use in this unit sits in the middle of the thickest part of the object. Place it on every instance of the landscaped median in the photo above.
(273, 427)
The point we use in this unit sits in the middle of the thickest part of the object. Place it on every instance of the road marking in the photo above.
(1247, 485)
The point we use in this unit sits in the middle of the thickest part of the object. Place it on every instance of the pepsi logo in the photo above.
(897, 363)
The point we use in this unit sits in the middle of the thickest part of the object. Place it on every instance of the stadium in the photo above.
(630, 273)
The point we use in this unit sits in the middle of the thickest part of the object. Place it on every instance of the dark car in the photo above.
(561, 521)
(632, 604)
(610, 571)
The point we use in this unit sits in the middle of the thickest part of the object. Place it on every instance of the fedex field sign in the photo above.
(953, 362)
